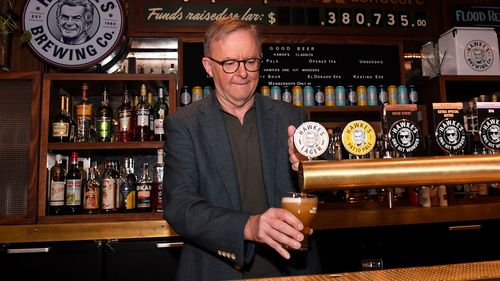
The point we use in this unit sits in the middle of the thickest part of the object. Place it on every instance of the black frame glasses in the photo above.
(250, 64)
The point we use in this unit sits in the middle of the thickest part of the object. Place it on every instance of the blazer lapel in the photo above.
(212, 124)
(266, 122)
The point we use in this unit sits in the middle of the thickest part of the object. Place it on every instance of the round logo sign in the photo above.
(489, 133)
(478, 55)
(358, 137)
(311, 139)
(450, 135)
(404, 136)
(74, 34)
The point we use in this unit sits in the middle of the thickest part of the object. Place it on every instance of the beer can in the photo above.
(340, 98)
(383, 97)
(352, 96)
(197, 93)
(392, 93)
(297, 96)
(308, 96)
(319, 97)
(372, 95)
(412, 94)
(207, 90)
(275, 93)
(362, 95)
(185, 96)
(265, 91)
(329, 96)
(403, 95)
(286, 96)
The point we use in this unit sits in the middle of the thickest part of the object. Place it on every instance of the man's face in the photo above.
(405, 137)
(311, 139)
(477, 54)
(237, 88)
(359, 137)
(451, 135)
(71, 21)
(494, 133)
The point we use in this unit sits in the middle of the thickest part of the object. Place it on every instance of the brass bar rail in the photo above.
(375, 173)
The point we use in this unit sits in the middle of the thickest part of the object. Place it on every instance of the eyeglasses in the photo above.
(231, 66)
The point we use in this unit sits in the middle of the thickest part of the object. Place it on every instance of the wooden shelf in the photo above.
(106, 145)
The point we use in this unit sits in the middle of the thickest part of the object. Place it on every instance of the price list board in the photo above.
(346, 16)
(326, 64)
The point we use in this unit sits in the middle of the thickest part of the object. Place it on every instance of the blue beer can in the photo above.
(340, 98)
(275, 93)
(207, 90)
(403, 95)
(372, 95)
(308, 96)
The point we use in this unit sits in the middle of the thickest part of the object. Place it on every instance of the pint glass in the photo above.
(304, 207)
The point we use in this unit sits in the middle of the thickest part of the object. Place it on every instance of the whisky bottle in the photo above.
(160, 113)
(83, 117)
(56, 188)
(73, 192)
(126, 120)
(143, 190)
(142, 113)
(109, 190)
(61, 124)
(151, 102)
(91, 193)
(127, 187)
(72, 125)
(104, 118)
(157, 191)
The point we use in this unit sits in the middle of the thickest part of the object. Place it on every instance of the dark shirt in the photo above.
(245, 148)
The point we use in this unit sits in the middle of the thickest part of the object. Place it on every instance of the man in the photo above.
(451, 135)
(74, 19)
(359, 136)
(228, 167)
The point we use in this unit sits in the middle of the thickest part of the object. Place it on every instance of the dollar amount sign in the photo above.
(272, 19)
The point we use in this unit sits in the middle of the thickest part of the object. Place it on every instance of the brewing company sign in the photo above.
(74, 34)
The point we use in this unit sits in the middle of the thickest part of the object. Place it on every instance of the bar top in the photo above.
(488, 270)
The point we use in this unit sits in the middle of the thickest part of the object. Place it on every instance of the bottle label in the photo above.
(124, 118)
(159, 127)
(56, 193)
(60, 129)
(108, 193)
(127, 196)
(84, 110)
(104, 127)
(143, 196)
(91, 198)
(73, 192)
(142, 117)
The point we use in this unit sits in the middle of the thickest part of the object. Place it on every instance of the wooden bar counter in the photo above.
(488, 270)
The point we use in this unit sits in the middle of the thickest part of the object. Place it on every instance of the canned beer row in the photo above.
(189, 95)
(343, 95)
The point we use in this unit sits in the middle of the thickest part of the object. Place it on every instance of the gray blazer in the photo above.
(202, 201)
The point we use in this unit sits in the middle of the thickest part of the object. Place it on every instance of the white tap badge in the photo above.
(311, 139)
(73, 34)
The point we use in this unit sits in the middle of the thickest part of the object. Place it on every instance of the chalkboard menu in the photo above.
(311, 64)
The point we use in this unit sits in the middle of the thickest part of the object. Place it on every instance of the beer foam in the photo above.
(298, 200)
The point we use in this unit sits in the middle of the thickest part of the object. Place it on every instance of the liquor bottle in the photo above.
(126, 120)
(104, 118)
(72, 125)
(142, 113)
(127, 187)
(83, 117)
(471, 123)
(91, 193)
(160, 113)
(157, 191)
(73, 192)
(61, 124)
(171, 69)
(143, 190)
(109, 190)
(151, 102)
(56, 188)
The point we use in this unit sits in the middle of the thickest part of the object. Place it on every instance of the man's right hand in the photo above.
(275, 227)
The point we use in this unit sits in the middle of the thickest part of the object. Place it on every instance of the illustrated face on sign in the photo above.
(359, 136)
(494, 133)
(405, 137)
(311, 138)
(74, 18)
(451, 135)
(478, 55)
